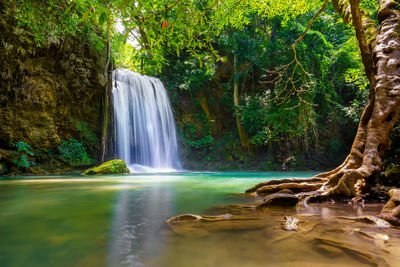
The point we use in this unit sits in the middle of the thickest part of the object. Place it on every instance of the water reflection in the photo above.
(138, 215)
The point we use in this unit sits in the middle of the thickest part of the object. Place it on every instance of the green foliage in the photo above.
(202, 142)
(236, 13)
(192, 46)
(335, 146)
(24, 150)
(74, 153)
(266, 122)
(355, 109)
(89, 137)
(23, 162)
(156, 29)
(187, 75)
(50, 20)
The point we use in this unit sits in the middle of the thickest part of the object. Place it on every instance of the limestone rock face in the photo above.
(115, 166)
(48, 94)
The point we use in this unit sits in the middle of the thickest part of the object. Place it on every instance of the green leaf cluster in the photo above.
(50, 21)
(74, 153)
(24, 151)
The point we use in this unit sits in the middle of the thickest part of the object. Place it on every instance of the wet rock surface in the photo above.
(370, 220)
(311, 236)
(391, 210)
(280, 200)
(290, 223)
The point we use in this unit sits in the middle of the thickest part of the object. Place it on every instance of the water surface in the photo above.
(120, 221)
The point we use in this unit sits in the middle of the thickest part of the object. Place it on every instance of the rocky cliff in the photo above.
(48, 95)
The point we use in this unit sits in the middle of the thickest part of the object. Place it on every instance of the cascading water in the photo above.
(144, 123)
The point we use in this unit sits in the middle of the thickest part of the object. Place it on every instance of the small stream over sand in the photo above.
(120, 221)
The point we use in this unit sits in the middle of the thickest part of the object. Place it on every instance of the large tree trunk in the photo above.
(244, 140)
(381, 113)
(382, 65)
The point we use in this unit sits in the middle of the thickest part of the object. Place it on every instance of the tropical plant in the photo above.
(24, 151)
(74, 153)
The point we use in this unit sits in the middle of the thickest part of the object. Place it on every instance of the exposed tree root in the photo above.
(275, 183)
(381, 113)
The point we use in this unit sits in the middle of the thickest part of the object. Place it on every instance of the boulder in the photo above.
(115, 166)
(279, 200)
(192, 225)
(290, 223)
(391, 210)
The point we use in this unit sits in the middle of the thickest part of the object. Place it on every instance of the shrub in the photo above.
(74, 153)
(24, 150)
(200, 141)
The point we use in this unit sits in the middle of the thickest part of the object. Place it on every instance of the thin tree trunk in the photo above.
(106, 105)
(244, 141)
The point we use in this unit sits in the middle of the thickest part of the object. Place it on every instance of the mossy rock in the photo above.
(116, 166)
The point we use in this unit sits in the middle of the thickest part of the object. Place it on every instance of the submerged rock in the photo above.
(116, 166)
(373, 236)
(279, 200)
(374, 220)
(192, 225)
(369, 219)
(290, 223)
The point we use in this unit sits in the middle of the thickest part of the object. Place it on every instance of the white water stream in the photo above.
(144, 123)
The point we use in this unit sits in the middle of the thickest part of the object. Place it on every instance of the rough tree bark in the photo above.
(379, 117)
(381, 58)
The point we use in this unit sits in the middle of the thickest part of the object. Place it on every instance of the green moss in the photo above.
(110, 167)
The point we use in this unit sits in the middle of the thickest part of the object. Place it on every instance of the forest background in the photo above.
(241, 99)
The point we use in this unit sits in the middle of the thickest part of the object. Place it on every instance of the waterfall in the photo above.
(145, 133)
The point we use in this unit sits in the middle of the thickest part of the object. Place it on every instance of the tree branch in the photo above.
(366, 52)
(164, 10)
(365, 27)
(309, 24)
